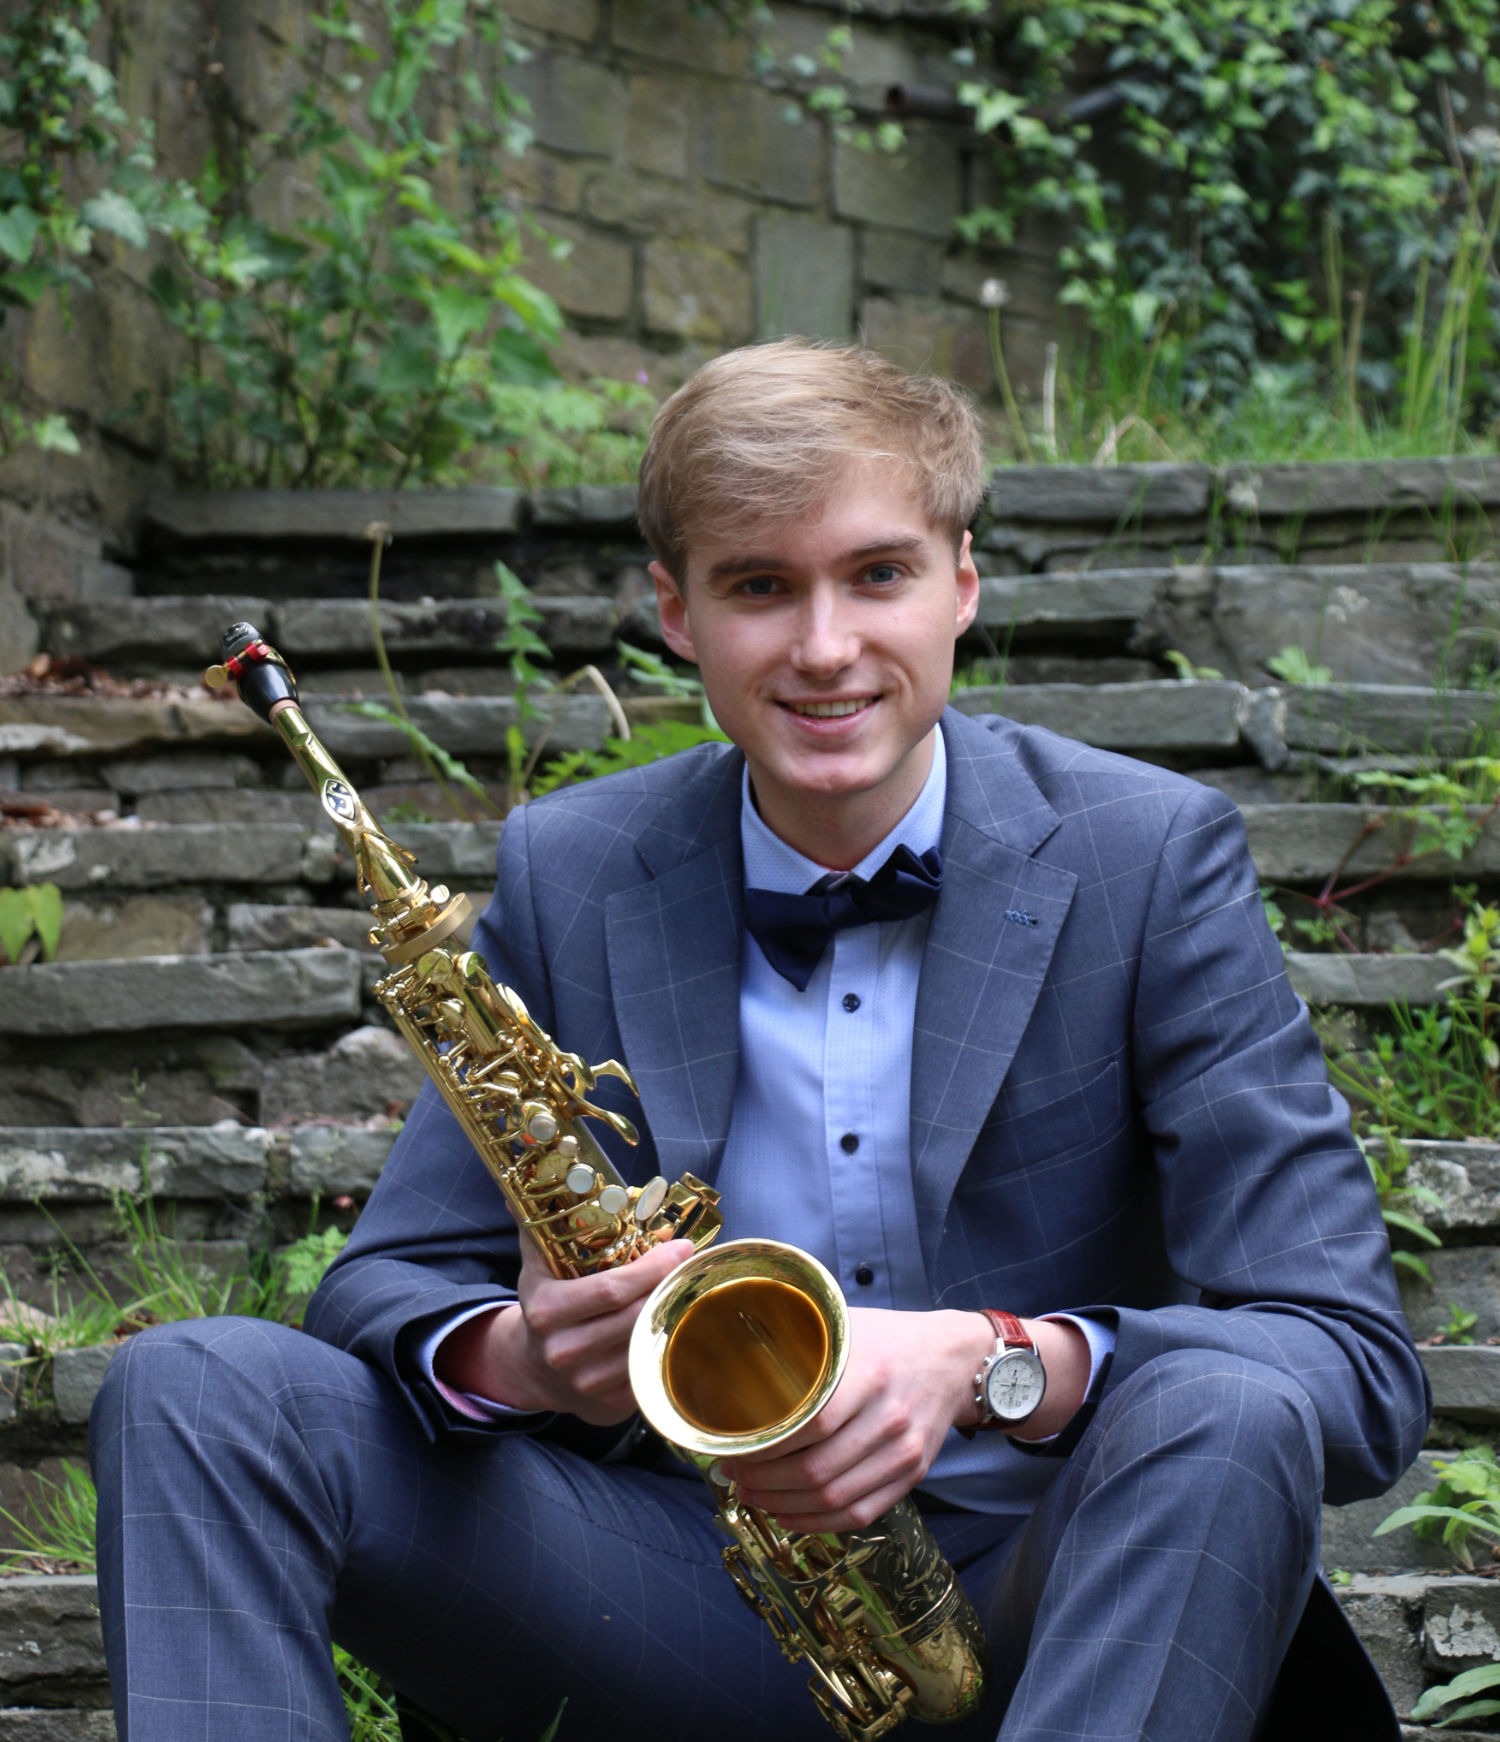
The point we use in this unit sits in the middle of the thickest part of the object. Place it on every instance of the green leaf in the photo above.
(112, 212)
(457, 315)
(55, 435)
(47, 909)
(18, 229)
(1472, 1681)
(15, 922)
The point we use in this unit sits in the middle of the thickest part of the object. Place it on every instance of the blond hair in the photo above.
(765, 433)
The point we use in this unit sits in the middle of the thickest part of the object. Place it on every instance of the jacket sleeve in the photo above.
(1268, 1209)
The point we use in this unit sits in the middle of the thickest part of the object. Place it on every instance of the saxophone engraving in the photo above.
(732, 1353)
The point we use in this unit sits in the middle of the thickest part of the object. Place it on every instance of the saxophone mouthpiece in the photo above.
(257, 671)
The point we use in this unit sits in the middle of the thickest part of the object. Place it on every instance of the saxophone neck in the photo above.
(409, 916)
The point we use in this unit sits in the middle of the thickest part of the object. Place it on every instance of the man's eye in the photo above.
(758, 586)
(882, 574)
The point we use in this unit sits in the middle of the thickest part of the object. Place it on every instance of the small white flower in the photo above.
(1483, 143)
(994, 293)
(1345, 603)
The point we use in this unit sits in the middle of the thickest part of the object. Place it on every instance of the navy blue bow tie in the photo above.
(793, 930)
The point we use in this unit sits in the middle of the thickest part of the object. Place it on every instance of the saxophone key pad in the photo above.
(653, 1195)
(581, 1179)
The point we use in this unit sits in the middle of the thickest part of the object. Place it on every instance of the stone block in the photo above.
(53, 725)
(657, 115)
(258, 517)
(1100, 495)
(1200, 719)
(261, 926)
(894, 260)
(919, 190)
(1366, 982)
(1464, 1178)
(1466, 1277)
(593, 280)
(44, 1724)
(365, 1075)
(80, 1165)
(669, 34)
(1105, 603)
(1387, 1615)
(590, 506)
(695, 292)
(47, 558)
(804, 278)
(462, 725)
(329, 1161)
(50, 1648)
(578, 106)
(77, 1375)
(157, 856)
(20, 636)
(760, 146)
(197, 769)
(142, 925)
(158, 631)
(576, 19)
(652, 208)
(926, 333)
(288, 988)
(1377, 624)
(1300, 843)
(1389, 719)
(1461, 1626)
(1293, 490)
(1465, 1383)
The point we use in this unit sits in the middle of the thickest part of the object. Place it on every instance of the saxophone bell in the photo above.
(733, 1353)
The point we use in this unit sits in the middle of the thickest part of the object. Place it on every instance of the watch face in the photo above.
(1013, 1385)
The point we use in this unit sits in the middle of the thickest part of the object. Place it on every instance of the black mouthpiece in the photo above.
(260, 674)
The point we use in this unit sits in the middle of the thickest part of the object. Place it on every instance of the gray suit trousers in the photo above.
(261, 1492)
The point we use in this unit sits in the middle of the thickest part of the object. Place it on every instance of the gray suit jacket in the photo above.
(1117, 1102)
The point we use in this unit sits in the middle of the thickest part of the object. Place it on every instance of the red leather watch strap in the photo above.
(1008, 1328)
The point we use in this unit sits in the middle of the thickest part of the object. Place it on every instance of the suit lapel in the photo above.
(993, 932)
(673, 942)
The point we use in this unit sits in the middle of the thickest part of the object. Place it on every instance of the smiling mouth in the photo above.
(829, 710)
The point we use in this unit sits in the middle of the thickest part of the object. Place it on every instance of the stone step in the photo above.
(1394, 623)
(1290, 844)
(291, 989)
(102, 726)
(1421, 1629)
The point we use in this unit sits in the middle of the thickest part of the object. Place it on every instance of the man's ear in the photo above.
(672, 610)
(968, 585)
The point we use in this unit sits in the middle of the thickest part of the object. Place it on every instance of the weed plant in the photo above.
(1462, 1512)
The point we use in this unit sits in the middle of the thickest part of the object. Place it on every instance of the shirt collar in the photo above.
(771, 864)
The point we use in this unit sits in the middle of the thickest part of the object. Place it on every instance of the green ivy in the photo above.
(1278, 177)
(369, 340)
(74, 171)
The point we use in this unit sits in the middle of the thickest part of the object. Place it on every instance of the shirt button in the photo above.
(864, 1276)
(851, 1002)
(848, 1143)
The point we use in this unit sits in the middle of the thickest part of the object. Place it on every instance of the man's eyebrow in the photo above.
(895, 544)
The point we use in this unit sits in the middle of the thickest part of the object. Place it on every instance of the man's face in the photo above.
(826, 651)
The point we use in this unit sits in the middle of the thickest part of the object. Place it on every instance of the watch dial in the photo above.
(1014, 1385)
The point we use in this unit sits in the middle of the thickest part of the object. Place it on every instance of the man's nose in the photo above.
(825, 639)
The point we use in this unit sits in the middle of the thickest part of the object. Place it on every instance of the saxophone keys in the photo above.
(613, 1200)
(652, 1196)
(540, 1122)
(581, 1179)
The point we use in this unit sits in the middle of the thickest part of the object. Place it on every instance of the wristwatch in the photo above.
(1009, 1387)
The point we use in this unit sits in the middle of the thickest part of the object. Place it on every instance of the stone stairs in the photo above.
(208, 1032)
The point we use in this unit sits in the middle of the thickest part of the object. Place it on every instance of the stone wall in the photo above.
(695, 209)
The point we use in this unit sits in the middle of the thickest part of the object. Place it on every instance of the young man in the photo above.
(1062, 1078)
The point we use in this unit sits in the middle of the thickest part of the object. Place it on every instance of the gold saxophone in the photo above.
(731, 1354)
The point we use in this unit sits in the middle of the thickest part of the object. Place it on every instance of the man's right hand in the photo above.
(564, 1345)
